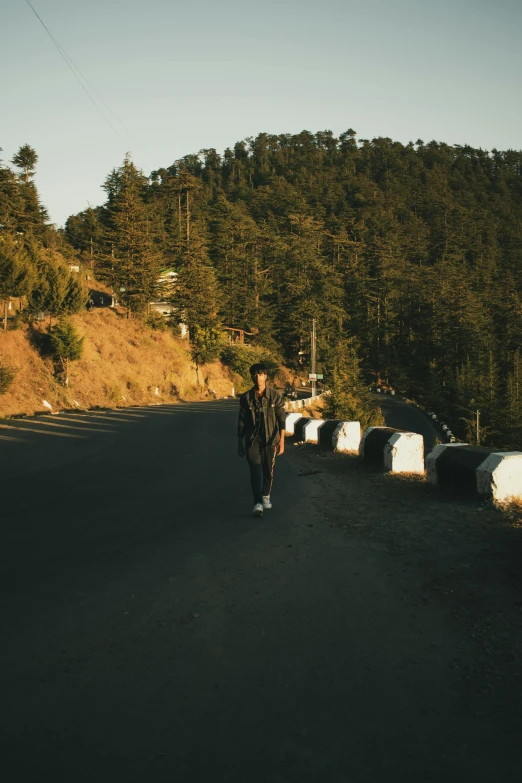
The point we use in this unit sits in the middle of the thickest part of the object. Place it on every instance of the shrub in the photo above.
(351, 405)
(17, 321)
(7, 376)
(66, 345)
(114, 394)
(157, 322)
(205, 346)
(241, 357)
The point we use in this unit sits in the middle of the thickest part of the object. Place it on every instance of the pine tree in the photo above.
(26, 159)
(413, 249)
(11, 202)
(16, 272)
(132, 267)
(348, 397)
(15, 268)
(66, 345)
(196, 291)
(56, 290)
(205, 345)
(29, 215)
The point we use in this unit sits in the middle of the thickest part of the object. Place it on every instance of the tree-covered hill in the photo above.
(410, 253)
(35, 259)
(409, 257)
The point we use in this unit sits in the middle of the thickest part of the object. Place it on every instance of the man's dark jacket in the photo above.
(274, 415)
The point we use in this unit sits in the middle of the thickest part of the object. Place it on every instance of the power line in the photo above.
(75, 71)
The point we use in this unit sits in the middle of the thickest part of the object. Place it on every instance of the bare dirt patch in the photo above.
(124, 363)
(449, 548)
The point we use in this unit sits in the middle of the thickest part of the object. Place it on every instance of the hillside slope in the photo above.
(124, 363)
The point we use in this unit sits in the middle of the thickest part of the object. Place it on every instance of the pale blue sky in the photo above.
(182, 76)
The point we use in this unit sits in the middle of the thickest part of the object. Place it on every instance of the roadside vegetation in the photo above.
(408, 256)
(122, 363)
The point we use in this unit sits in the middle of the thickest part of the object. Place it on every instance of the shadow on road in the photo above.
(37, 442)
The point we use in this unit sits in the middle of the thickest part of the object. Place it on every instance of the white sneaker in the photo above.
(258, 510)
(266, 501)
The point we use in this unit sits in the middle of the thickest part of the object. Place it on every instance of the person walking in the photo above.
(261, 434)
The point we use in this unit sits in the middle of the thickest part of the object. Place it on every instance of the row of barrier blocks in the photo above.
(296, 405)
(494, 474)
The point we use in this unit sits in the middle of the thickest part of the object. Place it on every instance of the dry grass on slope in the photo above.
(123, 363)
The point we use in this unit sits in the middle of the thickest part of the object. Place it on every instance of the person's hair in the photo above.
(259, 367)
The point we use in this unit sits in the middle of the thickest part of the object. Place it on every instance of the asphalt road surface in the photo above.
(405, 416)
(153, 630)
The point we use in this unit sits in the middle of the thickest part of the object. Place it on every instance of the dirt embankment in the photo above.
(124, 363)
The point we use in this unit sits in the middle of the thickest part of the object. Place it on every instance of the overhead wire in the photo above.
(77, 74)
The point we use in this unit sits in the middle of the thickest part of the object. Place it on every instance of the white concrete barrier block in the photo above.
(431, 460)
(404, 453)
(311, 430)
(347, 436)
(500, 476)
(291, 419)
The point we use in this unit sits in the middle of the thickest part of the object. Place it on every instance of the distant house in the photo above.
(236, 335)
(165, 288)
(163, 308)
(166, 283)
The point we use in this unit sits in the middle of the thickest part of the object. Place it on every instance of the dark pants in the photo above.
(261, 461)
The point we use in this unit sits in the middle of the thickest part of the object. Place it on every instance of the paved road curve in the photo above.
(153, 630)
(403, 415)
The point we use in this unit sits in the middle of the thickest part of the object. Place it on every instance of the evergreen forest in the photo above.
(35, 259)
(409, 257)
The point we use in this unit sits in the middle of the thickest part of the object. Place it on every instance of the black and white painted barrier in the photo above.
(297, 405)
(399, 452)
(341, 436)
(493, 474)
(299, 426)
(445, 430)
(311, 430)
(291, 419)
(347, 436)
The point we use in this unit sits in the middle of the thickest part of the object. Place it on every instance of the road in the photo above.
(153, 630)
(403, 415)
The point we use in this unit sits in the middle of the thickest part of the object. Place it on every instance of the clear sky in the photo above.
(182, 76)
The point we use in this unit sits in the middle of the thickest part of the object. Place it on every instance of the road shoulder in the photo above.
(449, 551)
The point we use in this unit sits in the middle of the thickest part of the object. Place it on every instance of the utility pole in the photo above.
(314, 351)
(476, 411)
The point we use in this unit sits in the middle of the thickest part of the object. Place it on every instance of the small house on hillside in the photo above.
(166, 283)
(236, 335)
